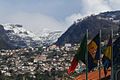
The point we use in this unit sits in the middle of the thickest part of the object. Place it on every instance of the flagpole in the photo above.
(99, 66)
(86, 57)
(112, 73)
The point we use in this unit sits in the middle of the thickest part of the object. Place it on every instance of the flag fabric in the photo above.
(82, 50)
(79, 56)
(93, 52)
(108, 50)
(107, 58)
(74, 63)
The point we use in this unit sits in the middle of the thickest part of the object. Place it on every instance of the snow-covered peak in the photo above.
(18, 36)
(50, 37)
(18, 30)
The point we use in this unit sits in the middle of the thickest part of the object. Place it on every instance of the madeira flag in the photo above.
(94, 52)
(79, 56)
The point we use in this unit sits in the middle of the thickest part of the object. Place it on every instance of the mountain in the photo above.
(4, 40)
(49, 38)
(15, 36)
(104, 21)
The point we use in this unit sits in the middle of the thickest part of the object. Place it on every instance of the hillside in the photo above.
(104, 21)
(15, 36)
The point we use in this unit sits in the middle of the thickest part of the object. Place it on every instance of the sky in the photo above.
(51, 15)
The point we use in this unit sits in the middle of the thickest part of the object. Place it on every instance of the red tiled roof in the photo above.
(93, 75)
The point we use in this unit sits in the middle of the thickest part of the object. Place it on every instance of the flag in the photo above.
(82, 50)
(107, 58)
(74, 63)
(94, 52)
(79, 56)
(108, 50)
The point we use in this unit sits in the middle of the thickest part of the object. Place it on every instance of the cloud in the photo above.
(89, 7)
(40, 21)
(70, 19)
(114, 4)
(35, 22)
(95, 6)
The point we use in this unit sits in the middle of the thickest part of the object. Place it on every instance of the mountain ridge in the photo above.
(15, 36)
(104, 21)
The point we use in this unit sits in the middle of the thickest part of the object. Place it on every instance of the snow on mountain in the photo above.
(20, 37)
(20, 31)
(50, 37)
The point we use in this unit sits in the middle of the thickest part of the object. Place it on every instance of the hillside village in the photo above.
(39, 62)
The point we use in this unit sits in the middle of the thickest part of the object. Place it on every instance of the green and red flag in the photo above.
(79, 56)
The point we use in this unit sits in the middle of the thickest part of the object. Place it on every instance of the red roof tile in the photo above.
(93, 75)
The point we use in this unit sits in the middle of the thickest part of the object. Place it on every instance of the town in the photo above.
(39, 63)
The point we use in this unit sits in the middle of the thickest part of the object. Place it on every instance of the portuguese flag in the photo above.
(80, 55)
